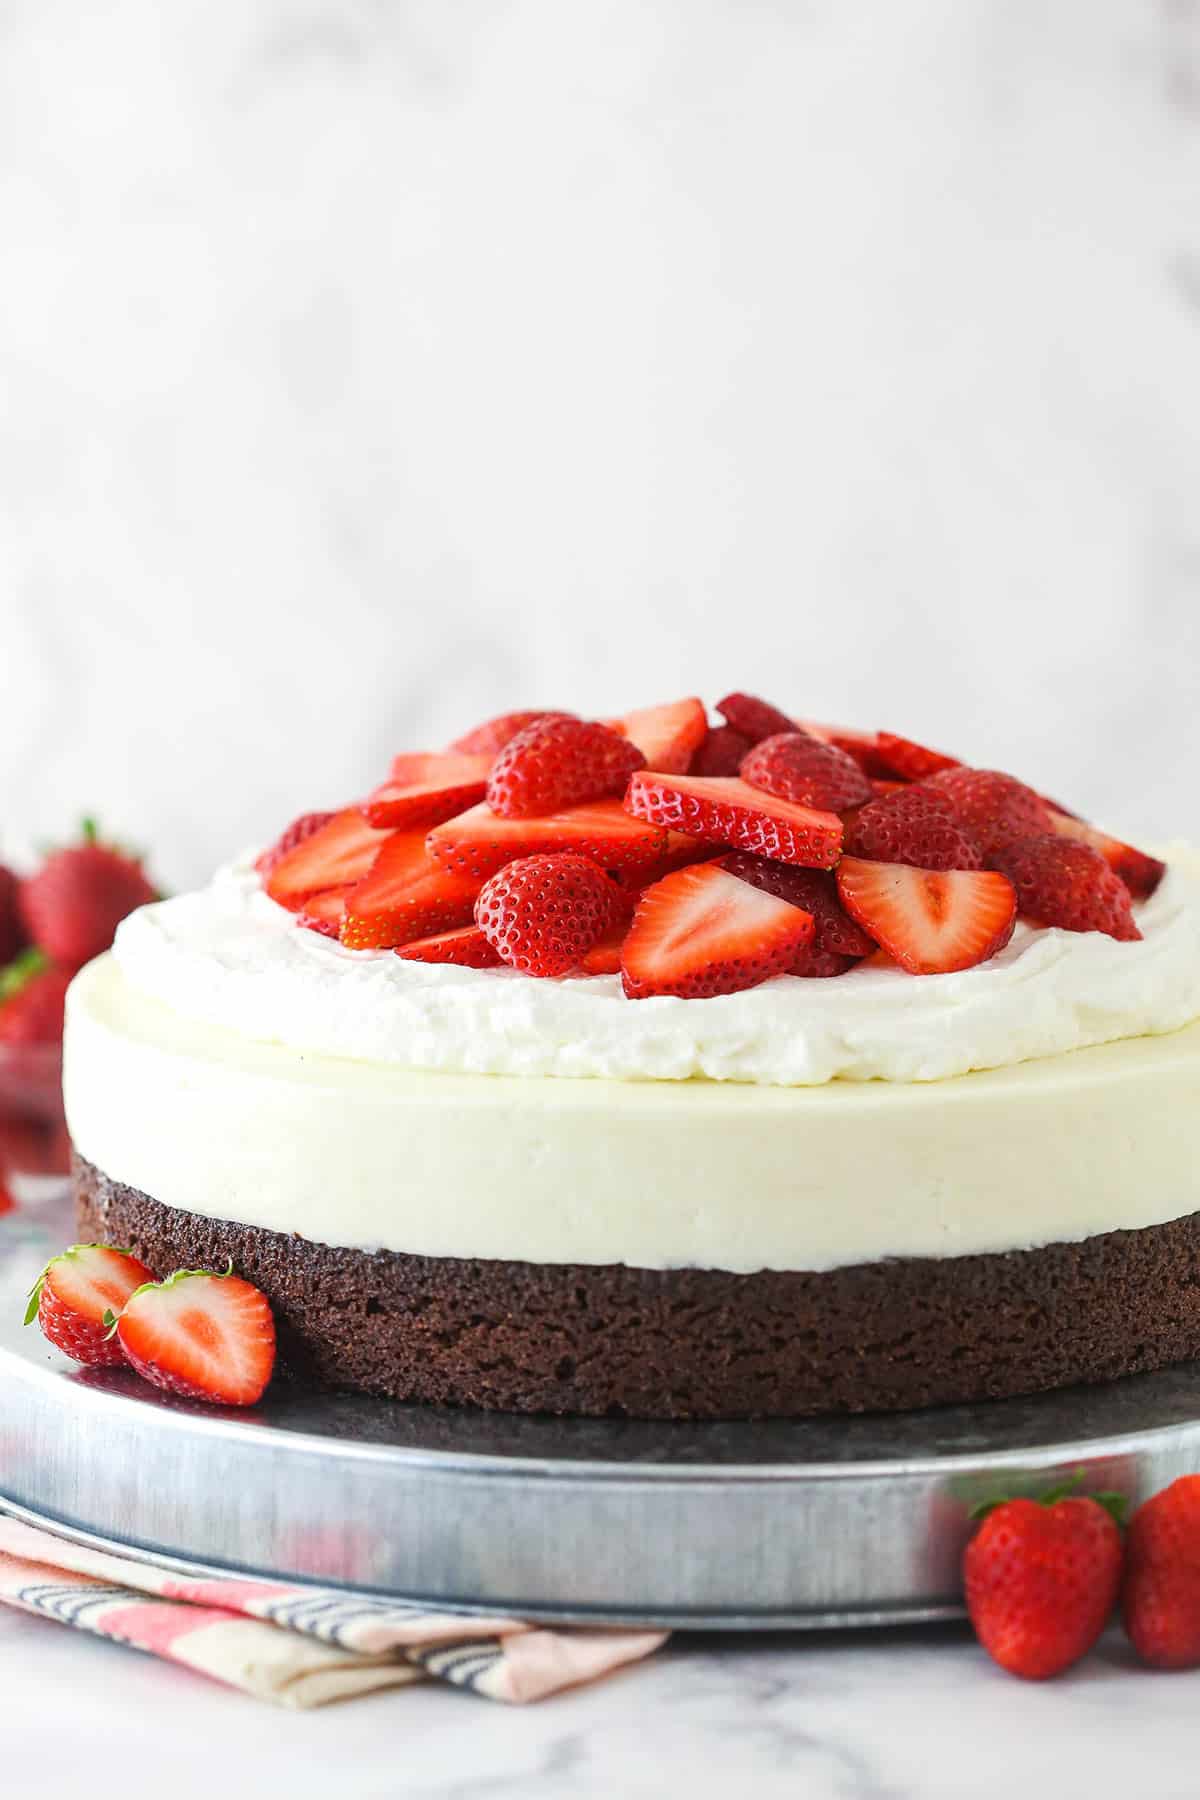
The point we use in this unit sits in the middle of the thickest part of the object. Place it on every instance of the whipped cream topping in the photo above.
(228, 956)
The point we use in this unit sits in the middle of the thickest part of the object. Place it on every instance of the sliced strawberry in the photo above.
(604, 957)
(910, 761)
(202, 1335)
(725, 810)
(754, 718)
(795, 766)
(915, 826)
(542, 913)
(1140, 873)
(429, 789)
(405, 896)
(479, 842)
(1060, 881)
(882, 787)
(324, 912)
(297, 833)
(667, 736)
(76, 1294)
(558, 762)
(721, 752)
(465, 946)
(863, 746)
(702, 932)
(7, 1203)
(814, 890)
(490, 738)
(932, 921)
(994, 808)
(339, 853)
(813, 964)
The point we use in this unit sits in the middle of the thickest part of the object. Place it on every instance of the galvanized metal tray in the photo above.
(735, 1526)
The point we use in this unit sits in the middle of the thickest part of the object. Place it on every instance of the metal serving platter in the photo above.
(735, 1526)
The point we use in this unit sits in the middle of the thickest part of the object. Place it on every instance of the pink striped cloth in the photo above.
(299, 1646)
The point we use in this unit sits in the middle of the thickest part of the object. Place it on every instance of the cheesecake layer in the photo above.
(652, 1175)
(691, 1343)
(228, 956)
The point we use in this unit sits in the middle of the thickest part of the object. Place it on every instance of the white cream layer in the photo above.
(229, 956)
(653, 1174)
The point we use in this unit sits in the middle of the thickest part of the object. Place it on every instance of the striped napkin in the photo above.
(299, 1646)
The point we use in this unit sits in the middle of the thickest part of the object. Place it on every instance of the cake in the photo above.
(669, 1069)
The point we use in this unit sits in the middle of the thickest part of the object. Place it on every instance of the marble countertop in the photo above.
(887, 1715)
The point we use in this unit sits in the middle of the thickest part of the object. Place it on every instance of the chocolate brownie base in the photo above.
(691, 1343)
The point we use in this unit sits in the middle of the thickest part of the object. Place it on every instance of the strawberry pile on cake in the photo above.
(697, 859)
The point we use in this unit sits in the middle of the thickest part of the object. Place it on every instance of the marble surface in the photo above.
(915, 1715)
(369, 367)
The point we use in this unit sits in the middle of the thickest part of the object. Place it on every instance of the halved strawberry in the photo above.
(202, 1335)
(932, 921)
(76, 1290)
(667, 736)
(340, 852)
(426, 789)
(405, 896)
(559, 762)
(466, 946)
(754, 718)
(911, 761)
(490, 738)
(324, 912)
(725, 810)
(296, 833)
(702, 932)
(815, 891)
(479, 842)
(1140, 873)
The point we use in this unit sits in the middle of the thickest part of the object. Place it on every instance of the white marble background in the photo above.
(370, 365)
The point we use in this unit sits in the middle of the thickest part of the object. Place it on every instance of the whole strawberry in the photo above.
(76, 1292)
(12, 931)
(32, 998)
(1041, 1581)
(542, 913)
(73, 905)
(1160, 1598)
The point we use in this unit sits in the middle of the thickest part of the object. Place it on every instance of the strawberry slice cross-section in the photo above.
(339, 853)
(721, 809)
(932, 921)
(479, 842)
(424, 790)
(405, 896)
(702, 932)
(203, 1335)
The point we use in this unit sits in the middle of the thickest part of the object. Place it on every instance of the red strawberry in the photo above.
(724, 810)
(76, 1293)
(7, 1203)
(815, 890)
(794, 766)
(1160, 1601)
(882, 788)
(863, 746)
(466, 946)
(1068, 884)
(542, 913)
(73, 905)
(32, 996)
(913, 827)
(1140, 873)
(559, 762)
(324, 912)
(1041, 1582)
(12, 931)
(340, 852)
(931, 921)
(667, 736)
(755, 719)
(994, 808)
(490, 738)
(911, 762)
(405, 896)
(430, 789)
(297, 832)
(721, 752)
(479, 842)
(702, 932)
(604, 957)
(820, 965)
(202, 1335)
